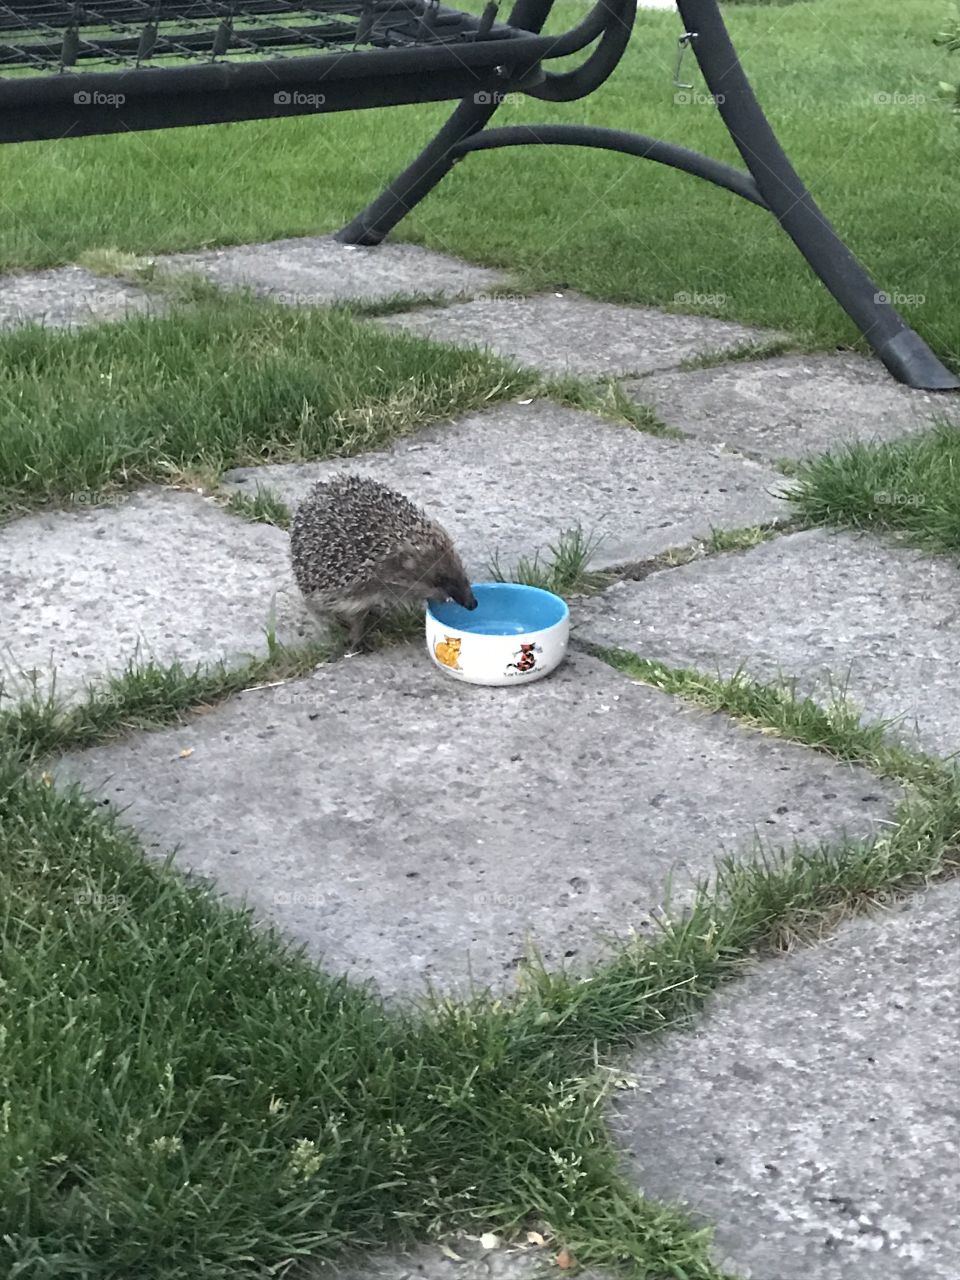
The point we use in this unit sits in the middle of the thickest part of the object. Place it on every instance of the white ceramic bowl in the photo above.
(516, 634)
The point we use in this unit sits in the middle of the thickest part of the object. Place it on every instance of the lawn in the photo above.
(852, 90)
(221, 382)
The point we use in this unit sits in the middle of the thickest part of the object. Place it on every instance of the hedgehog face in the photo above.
(446, 580)
(456, 589)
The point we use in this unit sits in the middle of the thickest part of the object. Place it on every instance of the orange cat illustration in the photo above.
(447, 651)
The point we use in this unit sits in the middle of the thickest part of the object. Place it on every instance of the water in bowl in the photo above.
(493, 627)
(503, 609)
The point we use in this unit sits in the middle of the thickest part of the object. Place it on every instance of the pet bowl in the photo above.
(516, 634)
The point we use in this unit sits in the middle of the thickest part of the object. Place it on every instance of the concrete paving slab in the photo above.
(67, 297)
(812, 1115)
(405, 826)
(514, 478)
(790, 406)
(169, 571)
(567, 333)
(822, 608)
(317, 269)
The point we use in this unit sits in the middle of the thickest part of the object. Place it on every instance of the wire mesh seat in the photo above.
(43, 36)
(69, 68)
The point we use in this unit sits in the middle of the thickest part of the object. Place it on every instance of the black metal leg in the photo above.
(440, 155)
(418, 180)
(902, 350)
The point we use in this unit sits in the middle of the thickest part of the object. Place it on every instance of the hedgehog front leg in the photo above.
(321, 614)
(357, 624)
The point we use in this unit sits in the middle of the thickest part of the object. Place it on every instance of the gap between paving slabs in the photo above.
(790, 406)
(558, 332)
(830, 611)
(301, 272)
(808, 1117)
(516, 476)
(311, 270)
(568, 333)
(811, 1114)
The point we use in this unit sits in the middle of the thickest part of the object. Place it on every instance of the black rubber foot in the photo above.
(359, 235)
(911, 361)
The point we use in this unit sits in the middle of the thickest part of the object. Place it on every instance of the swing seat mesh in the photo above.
(50, 37)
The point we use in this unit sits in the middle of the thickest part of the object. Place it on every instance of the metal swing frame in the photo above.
(770, 180)
(106, 66)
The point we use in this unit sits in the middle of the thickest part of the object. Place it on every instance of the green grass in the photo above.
(605, 224)
(735, 355)
(228, 380)
(910, 486)
(143, 695)
(719, 540)
(607, 398)
(560, 567)
(219, 383)
(836, 729)
(262, 507)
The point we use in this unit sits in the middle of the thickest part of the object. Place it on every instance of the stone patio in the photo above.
(317, 269)
(789, 406)
(405, 827)
(812, 1114)
(486, 480)
(565, 333)
(168, 575)
(67, 297)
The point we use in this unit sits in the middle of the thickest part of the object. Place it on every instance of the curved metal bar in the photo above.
(585, 32)
(568, 85)
(631, 144)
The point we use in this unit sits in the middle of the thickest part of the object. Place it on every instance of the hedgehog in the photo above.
(360, 548)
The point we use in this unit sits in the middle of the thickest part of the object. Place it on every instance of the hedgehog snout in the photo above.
(456, 589)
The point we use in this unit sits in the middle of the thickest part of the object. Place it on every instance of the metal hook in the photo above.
(682, 45)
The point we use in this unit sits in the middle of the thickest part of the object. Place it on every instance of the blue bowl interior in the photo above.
(503, 609)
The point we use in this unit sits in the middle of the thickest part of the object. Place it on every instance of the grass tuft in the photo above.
(562, 568)
(909, 486)
(144, 695)
(837, 728)
(719, 540)
(262, 507)
(607, 398)
(395, 304)
(746, 351)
